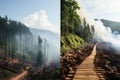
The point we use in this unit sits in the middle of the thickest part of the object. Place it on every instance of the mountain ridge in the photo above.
(114, 25)
(45, 32)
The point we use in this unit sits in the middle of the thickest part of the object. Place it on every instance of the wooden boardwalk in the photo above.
(85, 71)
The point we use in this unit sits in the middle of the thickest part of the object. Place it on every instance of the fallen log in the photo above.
(8, 68)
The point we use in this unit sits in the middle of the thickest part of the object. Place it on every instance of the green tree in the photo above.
(69, 17)
(39, 56)
(9, 29)
(87, 32)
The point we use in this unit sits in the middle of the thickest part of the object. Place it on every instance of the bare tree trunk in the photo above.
(23, 48)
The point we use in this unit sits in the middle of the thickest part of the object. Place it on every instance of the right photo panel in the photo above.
(90, 40)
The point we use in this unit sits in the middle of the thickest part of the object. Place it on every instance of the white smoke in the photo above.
(102, 33)
(105, 34)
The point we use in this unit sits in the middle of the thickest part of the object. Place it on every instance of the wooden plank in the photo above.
(85, 79)
(86, 76)
(80, 69)
(67, 78)
(71, 72)
(85, 73)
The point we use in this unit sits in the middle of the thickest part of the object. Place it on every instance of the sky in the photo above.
(101, 9)
(27, 10)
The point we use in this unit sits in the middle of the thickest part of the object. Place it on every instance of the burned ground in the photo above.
(108, 59)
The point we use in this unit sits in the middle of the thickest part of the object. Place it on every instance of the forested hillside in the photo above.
(115, 26)
(13, 37)
(18, 47)
(23, 49)
(74, 31)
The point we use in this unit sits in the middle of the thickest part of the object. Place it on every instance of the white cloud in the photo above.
(109, 9)
(39, 20)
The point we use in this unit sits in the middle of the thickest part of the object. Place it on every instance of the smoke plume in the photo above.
(105, 34)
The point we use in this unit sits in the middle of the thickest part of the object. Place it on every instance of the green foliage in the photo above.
(13, 37)
(69, 17)
(85, 31)
(71, 41)
(52, 75)
(72, 31)
(70, 21)
(17, 42)
(9, 29)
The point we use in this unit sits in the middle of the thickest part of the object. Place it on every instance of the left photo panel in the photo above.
(30, 40)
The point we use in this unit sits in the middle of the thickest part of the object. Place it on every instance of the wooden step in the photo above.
(85, 73)
(71, 72)
(85, 77)
(70, 75)
(99, 73)
(79, 69)
(67, 78)
(101, 78)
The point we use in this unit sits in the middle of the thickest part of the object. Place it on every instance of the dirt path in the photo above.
(85, 70)
(19, 76)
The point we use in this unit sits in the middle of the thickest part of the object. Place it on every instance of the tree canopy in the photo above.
(71, 25)
(69, 17)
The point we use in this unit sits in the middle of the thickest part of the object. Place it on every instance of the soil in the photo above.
(108, 59)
